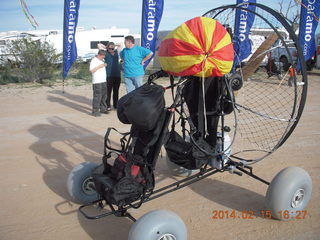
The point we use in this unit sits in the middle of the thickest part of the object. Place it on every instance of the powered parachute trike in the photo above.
(224, 117)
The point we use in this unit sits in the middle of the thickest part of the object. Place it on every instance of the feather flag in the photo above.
(151, 18)
(198, 47)
(243, 23)
(310, 11)
(71, 14)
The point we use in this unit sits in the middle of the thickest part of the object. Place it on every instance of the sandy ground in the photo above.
(45, 133)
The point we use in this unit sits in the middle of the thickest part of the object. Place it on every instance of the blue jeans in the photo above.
(133, 82)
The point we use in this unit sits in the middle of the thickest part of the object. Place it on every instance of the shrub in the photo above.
(80, 70)
(29, 60)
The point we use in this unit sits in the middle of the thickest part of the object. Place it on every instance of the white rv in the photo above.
(86, 40)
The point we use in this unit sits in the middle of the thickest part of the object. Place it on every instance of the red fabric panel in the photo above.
(174, 47)
(195, 26)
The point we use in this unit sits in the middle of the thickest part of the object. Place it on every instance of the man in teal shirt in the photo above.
(133, 58)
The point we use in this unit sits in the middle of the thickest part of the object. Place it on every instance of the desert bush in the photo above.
(80, 70)
(5, 76)
(29, 60)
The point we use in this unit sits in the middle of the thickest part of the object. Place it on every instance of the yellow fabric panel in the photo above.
(170, 63)
(209, 25)
(223, 42)
(223, 66)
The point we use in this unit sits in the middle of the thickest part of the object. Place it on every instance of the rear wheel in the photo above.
(80, 183)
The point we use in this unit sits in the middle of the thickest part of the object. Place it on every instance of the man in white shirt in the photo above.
(99, 84)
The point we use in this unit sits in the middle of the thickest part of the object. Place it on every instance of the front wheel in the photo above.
(289, 193)
(158, 225)
(80, 184)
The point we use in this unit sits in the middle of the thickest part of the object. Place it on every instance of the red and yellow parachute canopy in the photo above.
(200, 44)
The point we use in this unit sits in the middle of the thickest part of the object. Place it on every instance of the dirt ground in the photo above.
(45, 133)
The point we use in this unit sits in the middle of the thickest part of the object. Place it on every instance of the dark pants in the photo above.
(191, 96)
(99, 97)
(113, 84)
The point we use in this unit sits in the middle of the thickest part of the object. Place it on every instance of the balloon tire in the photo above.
(158, 224)
(79, 176)
(288, 185)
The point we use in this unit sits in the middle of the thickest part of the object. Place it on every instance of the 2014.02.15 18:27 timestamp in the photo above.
(249, 214)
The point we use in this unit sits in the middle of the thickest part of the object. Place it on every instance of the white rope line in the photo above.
(204, 96)
(283, 79)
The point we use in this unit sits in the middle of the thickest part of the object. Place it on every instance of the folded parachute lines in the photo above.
(198, 47)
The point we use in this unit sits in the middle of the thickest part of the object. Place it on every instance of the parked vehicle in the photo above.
(284, 53)
(318, 50)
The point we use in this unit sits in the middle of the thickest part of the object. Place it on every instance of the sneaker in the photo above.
(104, 112)
(96, 114)
(109, 109)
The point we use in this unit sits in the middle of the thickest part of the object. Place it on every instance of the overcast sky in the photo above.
(106, 13)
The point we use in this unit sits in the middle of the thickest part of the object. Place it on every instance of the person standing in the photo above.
(99, 75)
(113, 74)
(133, 58)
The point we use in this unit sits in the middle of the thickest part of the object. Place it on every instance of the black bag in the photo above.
(131, 176)
(121, 183)
(142, 107)
(185, 154)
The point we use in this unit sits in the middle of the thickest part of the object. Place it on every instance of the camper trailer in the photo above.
(6, 37)
(86, 40)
